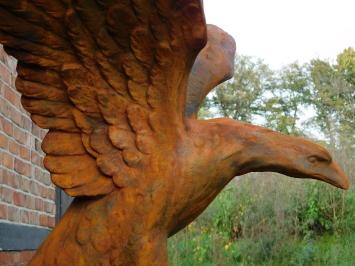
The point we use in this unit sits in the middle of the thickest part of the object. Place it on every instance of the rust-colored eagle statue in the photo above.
(118, 84)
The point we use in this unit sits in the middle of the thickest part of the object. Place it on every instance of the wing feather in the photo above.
(214, 65)
(100, 75)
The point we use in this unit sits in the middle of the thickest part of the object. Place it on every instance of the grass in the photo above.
(271, 220)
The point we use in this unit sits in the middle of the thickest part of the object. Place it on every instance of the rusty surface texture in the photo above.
(118, 84)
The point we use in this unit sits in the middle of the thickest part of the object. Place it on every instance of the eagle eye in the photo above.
(316, 158)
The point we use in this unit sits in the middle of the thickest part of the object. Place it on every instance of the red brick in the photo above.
(49, 207)
(25, 217)
(22, 167)
(19, 199)
(10, 179)
(38, 144)
(4, 142)
(7, 160)
(26, 256)
(5, 74)
(51, 222)
(34, 218)
(6, 195)
(5, 108)
(36, 159)
(10, 94)
(3, 103)
(14, 115)
(25, 153)
(25, 184)
(29, 202)
(35, 188)
(26, 123)
(43, 133)
(13, 214)
(22, 137)
(47, 179)
(39, 204)
(43, 220)
(3, 55)
(36, 131)
(51, 194)
(3, 211)
(14, 147)
(6, 127)
(16, 258)
(6, 258)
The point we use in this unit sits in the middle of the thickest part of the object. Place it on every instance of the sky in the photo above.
(285, 31)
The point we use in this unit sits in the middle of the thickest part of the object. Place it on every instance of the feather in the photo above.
(84, 98)
(138, 92)
(122, 139)
(145, 143)
(24, 30)
(113, 108)
(90, 15)
(84, 122)
(39, 91)
(100, 75)
(132, 157)
(71, 180)
(62, 143)
(126, 177)
(100, 142)
(110, 163)
(68, 164)
(26, 57)
(86, 142)
(101, 186)
(112, 76)
(81, 40)
(37, 49)
(47, 108)
(138, 119)
(53, 8)
(121, 20)
(40, 75)
(142, 45)
(34, 15)
(134, 70)
(55, 123)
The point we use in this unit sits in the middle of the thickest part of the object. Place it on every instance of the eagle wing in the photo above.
(101, 75)
(214, 65)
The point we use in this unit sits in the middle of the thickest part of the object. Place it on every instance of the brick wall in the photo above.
(15, 258)
(27, 196)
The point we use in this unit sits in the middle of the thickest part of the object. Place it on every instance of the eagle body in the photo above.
(118, 84)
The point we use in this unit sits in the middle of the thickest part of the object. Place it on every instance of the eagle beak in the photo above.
(333, 175)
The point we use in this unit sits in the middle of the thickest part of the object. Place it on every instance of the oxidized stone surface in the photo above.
(118, 84)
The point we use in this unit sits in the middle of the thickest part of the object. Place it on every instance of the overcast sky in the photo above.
(283, 31)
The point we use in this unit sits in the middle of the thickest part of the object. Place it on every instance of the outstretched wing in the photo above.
(100, 75)
(214, 65)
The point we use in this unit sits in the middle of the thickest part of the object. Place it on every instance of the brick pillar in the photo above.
(27, 196)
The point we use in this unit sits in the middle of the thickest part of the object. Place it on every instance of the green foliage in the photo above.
(266, 219)
(290, 95)
(346, 64)
(240, 98)
(334, 99)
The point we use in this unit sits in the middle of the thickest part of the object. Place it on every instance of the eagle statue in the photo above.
(118, 84)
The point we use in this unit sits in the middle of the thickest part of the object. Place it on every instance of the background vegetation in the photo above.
(269, 219)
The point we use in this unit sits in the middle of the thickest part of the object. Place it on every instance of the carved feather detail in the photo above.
(100, 74)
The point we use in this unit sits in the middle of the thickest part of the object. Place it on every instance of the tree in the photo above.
(334, 98)
(241, 98)
(289, 96)
(346, 64)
